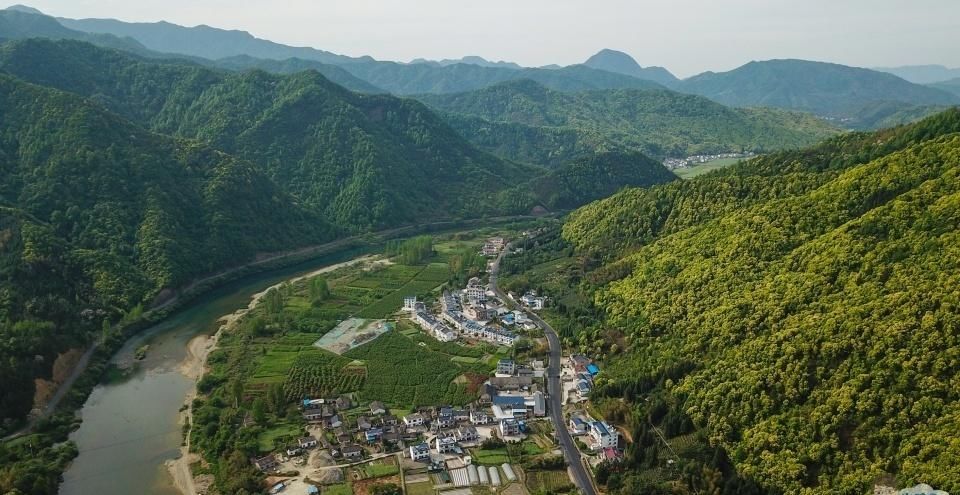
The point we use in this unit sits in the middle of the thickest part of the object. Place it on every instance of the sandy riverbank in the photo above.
(194, 366)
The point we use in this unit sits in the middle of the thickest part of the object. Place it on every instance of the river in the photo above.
(131, 425)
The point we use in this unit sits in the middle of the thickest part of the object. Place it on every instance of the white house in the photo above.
(446, 444)
(509, 427)
(478, 417)
(307, 442)
(603, 435)
(410, 303)
(531, 300)
(578, 425)
(414, 420)
(467, 434)
(506, 367)
(420, 452)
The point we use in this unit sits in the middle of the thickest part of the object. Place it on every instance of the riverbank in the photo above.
(194, 366)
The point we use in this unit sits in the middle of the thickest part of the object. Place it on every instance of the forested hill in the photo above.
(97, 215)
(365, 161)
(830, 90)
(800, 308)
(597, 176)
(525, 121)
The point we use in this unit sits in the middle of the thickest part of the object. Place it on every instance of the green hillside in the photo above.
(526, 121)
(597, 176)
(797, 310)
(99, 215)
(829, 90)
(364, 161)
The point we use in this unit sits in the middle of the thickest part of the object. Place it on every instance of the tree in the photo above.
(259, 411)
(386, 489)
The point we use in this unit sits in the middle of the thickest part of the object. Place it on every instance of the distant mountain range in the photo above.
(621, 63)
(829, 90)
(848, 96)
(470, 59)
(922, 74)
(525, 121)
(952, 86)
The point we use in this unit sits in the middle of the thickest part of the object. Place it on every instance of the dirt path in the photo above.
(194, 366)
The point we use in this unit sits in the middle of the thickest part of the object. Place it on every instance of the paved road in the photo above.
(570, 451)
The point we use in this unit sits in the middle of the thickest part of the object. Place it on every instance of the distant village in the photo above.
(674, 163)
(440, 437)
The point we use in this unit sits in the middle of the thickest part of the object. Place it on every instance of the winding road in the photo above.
(570, 451)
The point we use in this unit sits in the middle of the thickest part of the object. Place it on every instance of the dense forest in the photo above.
(797, 311)
(365, 161)
(526, 121)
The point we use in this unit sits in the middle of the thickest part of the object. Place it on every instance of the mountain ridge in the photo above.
(620, 62)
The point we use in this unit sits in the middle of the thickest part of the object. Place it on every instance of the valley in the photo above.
(388, 263)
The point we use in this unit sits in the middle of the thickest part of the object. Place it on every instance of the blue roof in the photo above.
(593, 369)
(508, 400)
(601, 428)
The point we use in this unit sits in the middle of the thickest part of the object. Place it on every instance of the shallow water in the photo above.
(131, 426)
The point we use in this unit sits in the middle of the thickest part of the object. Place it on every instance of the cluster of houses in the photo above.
(585, 371)
(493, 246)
(673, 163)
(600, 436)
(467, 314)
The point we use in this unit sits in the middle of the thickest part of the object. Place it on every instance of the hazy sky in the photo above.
(686, 36)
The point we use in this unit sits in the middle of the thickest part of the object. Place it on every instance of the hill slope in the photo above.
(202, 41)
(597, 176)
(98, 214)
(334, 73)
(951, 86)
(829, 90)
(621, 63)
(525, 121)
(922, 74)
(799, 310)
(364, 161)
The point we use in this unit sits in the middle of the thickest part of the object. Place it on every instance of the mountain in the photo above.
(922, 74)
(20, 22)
(334, 73)
(525, 121)
(951, 86)
(213, 43)
(410, 79)
(621, 63)
(203, 41)
(597, 176)
(362, 160)
(470, 59)
(97, 215)
(796, 311)
(828, 90)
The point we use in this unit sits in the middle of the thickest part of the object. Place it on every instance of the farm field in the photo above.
(702, 168)
(422, 488)
(339, 489)
(266, 439)
(547, 481)
(490, 457)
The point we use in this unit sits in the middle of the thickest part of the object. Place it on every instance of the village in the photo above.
(352, 445)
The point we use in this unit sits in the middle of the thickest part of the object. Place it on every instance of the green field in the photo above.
(547, 481)
(424, 488)
(340, 489)
(378, 469)
(266, 439)
(490, 457)
(702, 168)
